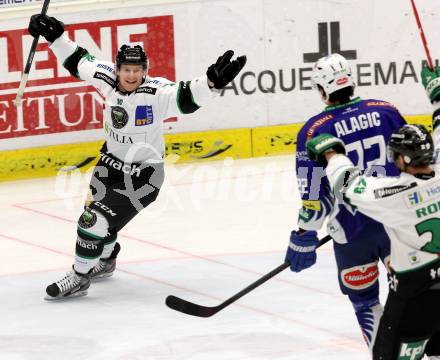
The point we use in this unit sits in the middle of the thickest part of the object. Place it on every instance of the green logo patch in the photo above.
(413, 350)
(90, 57)
(360, 186)
(305, 214)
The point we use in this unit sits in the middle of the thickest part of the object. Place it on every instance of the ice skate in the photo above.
(106, 267)
(72, 285)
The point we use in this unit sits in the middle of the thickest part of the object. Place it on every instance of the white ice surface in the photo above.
(216, 228)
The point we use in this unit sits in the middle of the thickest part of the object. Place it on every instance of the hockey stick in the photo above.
(422, 34)
(27, 69)
(79, 165)
(193, 309)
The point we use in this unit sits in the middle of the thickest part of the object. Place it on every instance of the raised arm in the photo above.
(75, 59)
(347, 182)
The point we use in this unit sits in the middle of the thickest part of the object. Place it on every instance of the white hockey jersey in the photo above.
(133, 123)
(407, 206)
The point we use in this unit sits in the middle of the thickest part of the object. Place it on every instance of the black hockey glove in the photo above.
(48, 27)
(224, 70)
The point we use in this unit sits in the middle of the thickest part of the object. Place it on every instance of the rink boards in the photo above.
(59, 123)
(189, 147)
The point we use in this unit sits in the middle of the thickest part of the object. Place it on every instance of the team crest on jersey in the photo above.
(87, 219)
(119, 117)
(144, 115)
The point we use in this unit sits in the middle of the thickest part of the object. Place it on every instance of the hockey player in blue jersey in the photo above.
(359, 242)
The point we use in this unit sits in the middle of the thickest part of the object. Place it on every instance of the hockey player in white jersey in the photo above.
(359, 242)
(129, 173)
(409, 208)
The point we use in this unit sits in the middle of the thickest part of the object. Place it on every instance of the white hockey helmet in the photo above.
(332, 73)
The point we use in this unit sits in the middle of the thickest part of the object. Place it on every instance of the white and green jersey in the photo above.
(133, 122)
(407, 206)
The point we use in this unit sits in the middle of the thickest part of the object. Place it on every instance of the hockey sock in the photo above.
(109, 244)
(368, 314)
(92, 230)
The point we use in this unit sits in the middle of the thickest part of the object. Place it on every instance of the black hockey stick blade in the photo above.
(193, 309)
(190, 308)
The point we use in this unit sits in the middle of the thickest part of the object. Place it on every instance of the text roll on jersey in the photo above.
(365, 126)
(133, 121)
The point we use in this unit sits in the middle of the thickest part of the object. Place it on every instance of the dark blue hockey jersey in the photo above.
(365, 126)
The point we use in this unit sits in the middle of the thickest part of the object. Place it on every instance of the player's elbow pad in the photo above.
(185, 99)
(71, 63)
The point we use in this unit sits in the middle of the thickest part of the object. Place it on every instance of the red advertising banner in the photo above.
(17, 3)
(56, 102)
